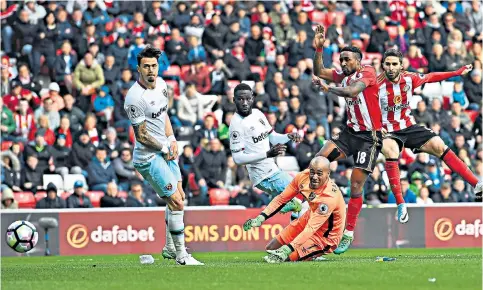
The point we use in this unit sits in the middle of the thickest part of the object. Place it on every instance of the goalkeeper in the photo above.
(319, 230)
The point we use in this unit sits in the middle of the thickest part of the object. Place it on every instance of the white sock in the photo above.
(176, 228)
(349, 233)
(169, 239)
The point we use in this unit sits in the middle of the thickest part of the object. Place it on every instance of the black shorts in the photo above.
(364, 146)
(413, 137)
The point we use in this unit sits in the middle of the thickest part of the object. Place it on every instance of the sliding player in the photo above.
(395, 91)
(319, 230)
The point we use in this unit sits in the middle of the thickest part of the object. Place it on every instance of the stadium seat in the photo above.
(446, 103)
(318, 17)
(472, 114)
(56, 179)
(40, 195)
(181, 145)
(185, 133)
(70, 179)
(6, 145)
(193, 185)
(232, 84)
(64, 195)
(123, 195)
(185, 69)
(25, 199)
(393, 31)
(95, 197)
(447, 88)
(173, 70)
(219, 196)
(260, 70)
(432, 90)
(175, 86)
(288, 163)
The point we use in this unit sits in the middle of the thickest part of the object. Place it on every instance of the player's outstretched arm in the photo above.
(242, 158)
(440, 76)
(276, 138)
(143, 137)
(319, 69)
(351, 91)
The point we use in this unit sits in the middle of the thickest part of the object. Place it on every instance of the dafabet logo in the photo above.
(78, 235)
(444, 229)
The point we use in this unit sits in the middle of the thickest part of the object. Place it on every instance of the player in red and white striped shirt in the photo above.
(362, 136)
(395, 91)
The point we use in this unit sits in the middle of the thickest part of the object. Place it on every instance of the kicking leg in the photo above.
(436, 147)
(390, 149)
(331, 152)
(169, 250)
(358, 179)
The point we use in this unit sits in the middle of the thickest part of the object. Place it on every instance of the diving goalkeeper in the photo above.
(319, 230)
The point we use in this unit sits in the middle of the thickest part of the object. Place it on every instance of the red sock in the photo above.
(392, 169)
(458, 166)
(353, 210)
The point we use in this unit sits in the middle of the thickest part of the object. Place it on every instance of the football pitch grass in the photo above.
(357, 269)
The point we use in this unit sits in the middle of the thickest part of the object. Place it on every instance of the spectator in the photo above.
(278, 66)
(111, 198)
(10, 170)
(445, 194)
(120, 52)
(437, 63)
(459, 189)
(24, 122)
(233, 35)
(422, 115)
(473, 88)
(476, 20)
(213, 162)
(197, 52)
(48, 110)
(177, 49)
(8, 125)
(408, 195)
(199, 74)
(417, 60)
(88, 77)
(423, 197)
(414, 34)
(27, 80)
(82, 152)
(124, 169)
(60, 154)
(43, 128)
(193, 105)
(31, 176)
(8, 199)
(303, 24)
(438, 114)
(90, 125)
(195, 27)
(235, 175)
(284, 32)
(57, 100)
(76, 116)
(188, 167)
(213, 37)
(247, 197)
(64, 129)
(456, 128)
(137, 198)
(45, 42)
(307, 149)
(64, 66)
(104, 104)
(100, 171)
(238, 63)
(379, 38)
(41, 150)
(452, 59)
(24, 34)
(219, 78)
(300, 49)
(254, 45)
(207, 132)
(181, 16)
(358, 22)
(112, 143)
(457, 110)
(339, 34)
(78, 199)
(52, 200)
(112, 72)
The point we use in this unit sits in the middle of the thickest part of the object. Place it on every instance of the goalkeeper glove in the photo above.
(253, 223)
(279, 255)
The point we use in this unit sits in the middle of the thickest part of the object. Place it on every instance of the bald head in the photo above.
(319, 171)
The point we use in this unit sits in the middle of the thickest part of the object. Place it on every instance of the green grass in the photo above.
(357, 269)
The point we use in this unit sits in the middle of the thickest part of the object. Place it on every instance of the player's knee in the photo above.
(390, 149)
(437, 146)
(176, 202)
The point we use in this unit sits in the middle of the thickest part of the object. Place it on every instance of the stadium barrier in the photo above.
(219, 228)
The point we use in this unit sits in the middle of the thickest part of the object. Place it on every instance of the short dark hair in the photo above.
(353, 49)
(393, 52)
(242, 87)
(149, 52)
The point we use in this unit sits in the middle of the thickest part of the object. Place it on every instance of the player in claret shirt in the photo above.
(400, 129)
(318, 231)
(362, 137)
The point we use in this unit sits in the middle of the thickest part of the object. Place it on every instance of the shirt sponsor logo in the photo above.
(162, 110)
(260, 138)
(396, 108)
(352, 102)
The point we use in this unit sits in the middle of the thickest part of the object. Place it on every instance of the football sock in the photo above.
(458, 166)
(169, 239)
(353, 210)
(392, 170)
(294, 256)
(176, 228)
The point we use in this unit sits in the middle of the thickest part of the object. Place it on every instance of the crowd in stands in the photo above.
(66, 67)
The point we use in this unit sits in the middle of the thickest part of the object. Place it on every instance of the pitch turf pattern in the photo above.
(357, 269)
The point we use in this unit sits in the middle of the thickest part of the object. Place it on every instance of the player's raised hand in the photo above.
(253, 223)
(276, 150)
(319, 36)
(295, 137)
(320, 83)
(468, 68)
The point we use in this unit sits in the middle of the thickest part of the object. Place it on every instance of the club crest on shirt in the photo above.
(323, 209)
(397, 100)
(168, 187)
(261, 121)
(406, 88)
(165, 93)
(312, 196)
